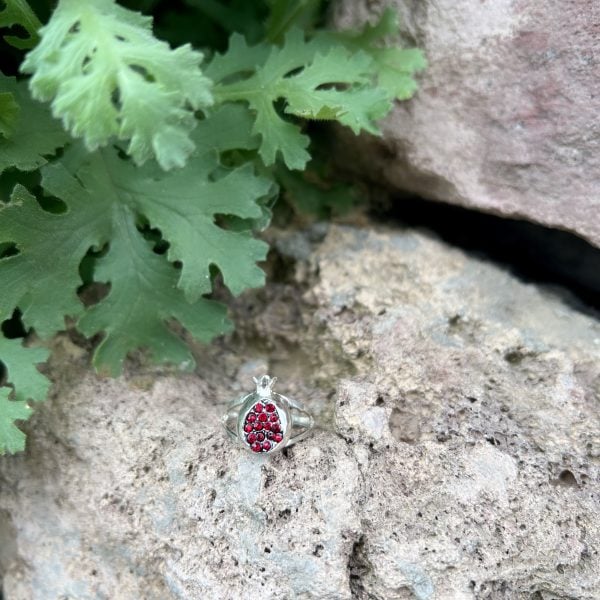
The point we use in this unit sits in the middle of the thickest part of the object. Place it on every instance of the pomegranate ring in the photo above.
(264, 421)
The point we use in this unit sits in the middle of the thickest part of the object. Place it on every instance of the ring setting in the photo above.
(265, 422)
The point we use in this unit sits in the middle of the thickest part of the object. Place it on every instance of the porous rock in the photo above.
(506, 119)
(457, 455)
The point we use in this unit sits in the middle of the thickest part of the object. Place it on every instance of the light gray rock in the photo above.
(507, 118)
(457, 456)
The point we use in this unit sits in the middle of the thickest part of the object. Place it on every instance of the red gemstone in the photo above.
(263, 427)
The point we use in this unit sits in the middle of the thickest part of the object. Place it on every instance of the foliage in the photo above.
(107, 75)
(27, 382)
(30, 133)
(18, 12)
(394, 67)
(143, 171)
(12, 439)
(306, 75)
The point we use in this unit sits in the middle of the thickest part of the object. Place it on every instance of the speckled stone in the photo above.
(457, 454)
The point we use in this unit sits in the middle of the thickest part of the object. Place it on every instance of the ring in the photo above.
(265, 421)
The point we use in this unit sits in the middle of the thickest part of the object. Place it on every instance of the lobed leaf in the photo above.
(313, 80)
(43, 278)
(185, 204)
(172, 204)
(393, 66)
(106, 197)
(12, 439)
(18, 12)
(356, 105)
(34, 134)
(144, 292)
(106, 76)
(28, 384)
(27, 381)
(240, 60)
(142, 299)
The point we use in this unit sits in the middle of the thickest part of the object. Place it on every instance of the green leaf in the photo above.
(106, 197)
(315, 199)
(279, 136)
(18, 12)
(353, 106)
(371, 34)
(35, 133)
(142, 299)
(144, 292)
(12, 439)
(393, 66)
(42, 279)
(108, 76)
(314, 81)
(229, 127)
(9, 114)
(184, 205)
(27, 381)
(285, 15)
(171, 204)
(239, 60)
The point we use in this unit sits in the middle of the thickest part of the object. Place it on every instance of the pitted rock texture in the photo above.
(506, 117)
(457, 456)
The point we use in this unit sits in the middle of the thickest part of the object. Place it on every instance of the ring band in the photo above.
(265, 421)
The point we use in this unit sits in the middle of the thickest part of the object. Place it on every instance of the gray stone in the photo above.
(507, 116)
(457, 454)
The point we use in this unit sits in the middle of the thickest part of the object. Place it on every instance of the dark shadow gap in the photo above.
(532, 252)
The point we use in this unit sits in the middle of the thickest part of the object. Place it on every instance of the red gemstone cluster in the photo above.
(263, 427)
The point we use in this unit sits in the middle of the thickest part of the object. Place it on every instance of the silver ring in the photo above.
(265, 421)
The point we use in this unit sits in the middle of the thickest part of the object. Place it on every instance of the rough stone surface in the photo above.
(507, 119)
(457, 456)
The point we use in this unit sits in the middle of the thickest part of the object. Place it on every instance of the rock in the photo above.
(361, 416)
(457, 454)
(506, 118)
